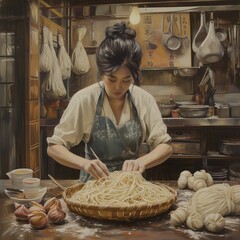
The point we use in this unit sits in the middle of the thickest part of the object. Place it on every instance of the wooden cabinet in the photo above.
(205, 133)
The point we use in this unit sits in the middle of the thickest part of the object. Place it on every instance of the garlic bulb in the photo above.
(21, 212)
(190, 182)
(56, 215)
(186, 173)
(198, 184)
(38, 219)
(36, 207)
(179, 216)
(214, 222)
(209, 180)
(195, 221)
(182, 182)
(200, 175)
(52, 203)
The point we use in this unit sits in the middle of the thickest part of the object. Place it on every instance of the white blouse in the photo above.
(76, 122)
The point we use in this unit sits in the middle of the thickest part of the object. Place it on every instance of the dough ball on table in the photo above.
(179, 216)
(182, 182)
(200, 175)
(186, 173)
(214, 222)
(209, 180)
(198, 184)
(195, 221)
(190, 182)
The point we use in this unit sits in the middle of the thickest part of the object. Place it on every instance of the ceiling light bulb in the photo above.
(134, 16)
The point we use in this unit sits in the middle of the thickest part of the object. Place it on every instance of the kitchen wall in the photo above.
(162, 82)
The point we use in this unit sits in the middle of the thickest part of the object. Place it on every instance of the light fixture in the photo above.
(134, 16)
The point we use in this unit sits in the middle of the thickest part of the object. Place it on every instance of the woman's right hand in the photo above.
(95, 168)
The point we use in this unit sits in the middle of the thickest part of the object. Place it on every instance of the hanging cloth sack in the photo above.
(46, 59)
(53, 87)
(80, 61)
(64, 59)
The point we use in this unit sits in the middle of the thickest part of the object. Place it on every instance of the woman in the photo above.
(113, 117)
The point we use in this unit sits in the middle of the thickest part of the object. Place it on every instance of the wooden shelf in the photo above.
(48, 6)
(217, 155)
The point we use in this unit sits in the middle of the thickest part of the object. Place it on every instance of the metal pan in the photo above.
(229, 146)
(194, 111)
(186, 71)
(186, 103)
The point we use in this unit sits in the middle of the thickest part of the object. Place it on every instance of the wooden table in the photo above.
(78, 227)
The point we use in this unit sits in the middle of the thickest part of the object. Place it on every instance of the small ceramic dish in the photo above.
(20, 198)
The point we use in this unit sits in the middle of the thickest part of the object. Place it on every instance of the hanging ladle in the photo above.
(201, 33)
(171, 41)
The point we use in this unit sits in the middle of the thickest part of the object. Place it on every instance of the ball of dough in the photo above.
(198, 184)
(179, 216)
(209, 180)
(214, 222)
(195, 221)
(182, 182)
(200, 175)
(186, 173)
(190, 182)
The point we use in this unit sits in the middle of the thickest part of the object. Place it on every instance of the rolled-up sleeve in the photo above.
(154, 129)
(69, 131)
(157, 130)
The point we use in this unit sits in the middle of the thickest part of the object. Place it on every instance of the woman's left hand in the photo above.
(133, 165)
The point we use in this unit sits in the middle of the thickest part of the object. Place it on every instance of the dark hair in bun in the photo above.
(120, 48)
(120, 30)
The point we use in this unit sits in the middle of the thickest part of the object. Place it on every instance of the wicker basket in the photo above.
(117, 213)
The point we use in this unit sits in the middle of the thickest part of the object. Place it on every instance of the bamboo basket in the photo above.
(130, 213)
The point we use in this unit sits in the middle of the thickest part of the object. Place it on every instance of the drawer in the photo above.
(186, 148)
(184, 135)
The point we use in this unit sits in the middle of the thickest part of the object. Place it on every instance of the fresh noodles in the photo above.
(122, 189)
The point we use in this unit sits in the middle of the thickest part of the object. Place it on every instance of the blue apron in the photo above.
(113, 145)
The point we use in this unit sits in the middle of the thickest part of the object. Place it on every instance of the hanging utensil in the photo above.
(92, 41)
(234, 52)
(211, 50)
(220, 32)
(201, 33)
(230, 47)
(170, 40)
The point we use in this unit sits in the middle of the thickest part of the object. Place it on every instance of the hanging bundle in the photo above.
(64, 59)
(80, 62)
(53, 87)
(46, 59)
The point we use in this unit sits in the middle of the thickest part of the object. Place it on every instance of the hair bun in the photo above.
(120, 30)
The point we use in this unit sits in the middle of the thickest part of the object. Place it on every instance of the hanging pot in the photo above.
(210, 51)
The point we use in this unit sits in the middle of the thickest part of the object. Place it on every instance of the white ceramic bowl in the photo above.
(38, 198)
(17, 175)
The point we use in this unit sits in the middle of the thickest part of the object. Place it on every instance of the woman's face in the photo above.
(117, 83)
